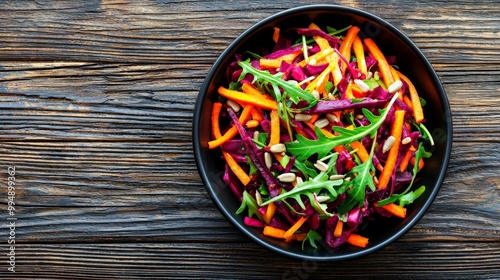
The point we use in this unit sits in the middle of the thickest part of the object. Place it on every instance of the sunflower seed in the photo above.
(388, 144)
(406, 140)
(337, 177)
(315, 93)
(256, 136)
(321, 166)
(375, 180)
(278, 148)
(362, 85)
(359, 116)
(258, 198)
(322, 198)
(321, 123)
(298, 181)
(332, 118)
(286, 177)
(235, 106)
(302, 117)
(268, 160)
(395, 87)
(369, 75)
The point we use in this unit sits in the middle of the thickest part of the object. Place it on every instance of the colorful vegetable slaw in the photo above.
(319, 136)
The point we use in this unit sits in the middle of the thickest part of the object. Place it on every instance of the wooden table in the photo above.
(96, 102)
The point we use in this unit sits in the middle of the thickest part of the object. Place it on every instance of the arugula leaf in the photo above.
(307, 171)
(420, 153)
(312, 236)
(295, 93)
(305, 148)
(411, 196)
(312, 185)
(253, 168)
(362, 179)
(249, 202)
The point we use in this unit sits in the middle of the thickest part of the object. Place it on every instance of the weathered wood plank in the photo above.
(210, 261)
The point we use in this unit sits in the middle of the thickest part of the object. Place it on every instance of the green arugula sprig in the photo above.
(305, 148)
(357, 187)
(249, 202)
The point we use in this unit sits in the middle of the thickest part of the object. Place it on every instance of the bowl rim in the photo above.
(434, 77)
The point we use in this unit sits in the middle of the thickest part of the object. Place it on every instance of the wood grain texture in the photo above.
(96, 102)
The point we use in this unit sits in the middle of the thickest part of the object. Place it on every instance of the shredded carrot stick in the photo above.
(216, 108)
(294, 228)
(335, 68)
(299, 236)
(276, 62)
(406, 159)
(338, 229)
(345, 47)
(359, 52)
(252, 90)
(420, 163)
(237, 170)
(316, 57)
(407, 101)
(248, 99)
(322, 42)
(233, 131)
(275, 128)
(395, 209)
(271, 209)
(384, 67)
(361, 150)
(348, 91)
(357, 240)
(396, 78)
(273, 232)
(418, 112)
(257, 114)
(276, 34)
(396, 130)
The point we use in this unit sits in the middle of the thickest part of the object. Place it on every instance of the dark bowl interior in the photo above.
(411, 62)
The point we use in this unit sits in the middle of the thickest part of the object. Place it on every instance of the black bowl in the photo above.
(411, 62)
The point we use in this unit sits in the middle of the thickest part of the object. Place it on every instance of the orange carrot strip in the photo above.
(395, 209)
(405, 160)
(252, 90)
(407, 101)
(383, 66)
(299, 236)
(420, 163)
(396, 130)
(271, 209)
(245, 115)
(275, 128)
(359, 52)
(248, 99)
(273, 232)
(418, 112)
(322, 42)
(252, 124)
(276, 34)
(357, 240)
(294, 228)
(338, 229)
(276, 62)
(361, 150)
(336, 72)
(216, 108)
(345, 47)
(396, 78)
(316, 57)
(257, 114)
(319, 82)
(237, 170)
(348, 92)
